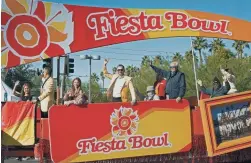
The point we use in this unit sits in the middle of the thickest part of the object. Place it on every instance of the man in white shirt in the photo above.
(120, 85)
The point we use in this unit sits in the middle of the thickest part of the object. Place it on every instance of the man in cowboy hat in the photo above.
(120, 85)
(217, 90)
(150, 94)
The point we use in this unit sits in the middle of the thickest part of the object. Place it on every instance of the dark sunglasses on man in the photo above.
(120, 70)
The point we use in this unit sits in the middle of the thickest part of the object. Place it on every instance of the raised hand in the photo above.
(106, 61)
(199, 82)
(69, 92)
(17, 83)
(133, 102)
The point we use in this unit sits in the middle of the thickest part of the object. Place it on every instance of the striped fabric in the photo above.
(18, 124)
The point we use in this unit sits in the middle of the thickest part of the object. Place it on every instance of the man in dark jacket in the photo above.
(176, 83)
(217, 90)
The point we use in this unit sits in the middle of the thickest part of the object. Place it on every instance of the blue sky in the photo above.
(135, 50)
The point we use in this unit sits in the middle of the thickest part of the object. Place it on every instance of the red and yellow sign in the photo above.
(34, 30)
(18, 124)
(118, 130)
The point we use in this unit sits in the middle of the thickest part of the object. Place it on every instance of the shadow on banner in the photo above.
(18, 124)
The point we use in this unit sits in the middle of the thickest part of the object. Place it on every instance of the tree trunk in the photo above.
(103, 84)
(201, 59)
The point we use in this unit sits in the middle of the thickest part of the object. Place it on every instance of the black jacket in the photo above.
(216, 93)
(176, 83)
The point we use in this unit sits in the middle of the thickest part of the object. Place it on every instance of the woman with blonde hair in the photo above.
(75, 94)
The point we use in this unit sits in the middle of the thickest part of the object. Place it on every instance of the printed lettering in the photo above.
(92, 145)
(105, 23)
(181, 21)
(136, 141)
(108, 23)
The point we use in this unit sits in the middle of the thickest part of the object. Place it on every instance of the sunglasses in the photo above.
(172, 66)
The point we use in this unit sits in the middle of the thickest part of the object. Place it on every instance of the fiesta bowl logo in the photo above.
(124, 122)
(110, 23)
(32, 30)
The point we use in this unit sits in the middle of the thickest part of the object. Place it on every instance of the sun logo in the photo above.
(33, 30)
(124, 122)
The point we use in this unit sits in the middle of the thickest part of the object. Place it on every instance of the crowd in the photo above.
(169, 84)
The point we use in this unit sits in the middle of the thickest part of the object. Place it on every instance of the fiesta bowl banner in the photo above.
(18, 124)
(33, 30)
(119, 130)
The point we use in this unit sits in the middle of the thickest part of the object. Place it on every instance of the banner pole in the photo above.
(58, 80)
(195, 73)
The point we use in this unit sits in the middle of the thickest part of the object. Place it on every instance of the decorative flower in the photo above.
(124, 122)
(33, 30)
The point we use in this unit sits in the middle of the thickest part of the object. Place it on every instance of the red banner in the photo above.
(18, 124)
(34, 30)
(118, 130)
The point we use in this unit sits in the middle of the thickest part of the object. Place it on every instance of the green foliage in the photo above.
(23, 73)
(240, 46)
(177, 57)
(95, 78)
(144, 76)
(206, 72)
(215, 45)
(199, 44)
(96, 93)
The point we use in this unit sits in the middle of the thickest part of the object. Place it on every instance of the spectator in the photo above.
(160, 87)
(228, 75)
(46, 97)
(150, 94)
(217, 90)
(25, 94)
(176, 83)
(75, 95)
(120, 85)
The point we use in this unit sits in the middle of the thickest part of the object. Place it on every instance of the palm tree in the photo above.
(94, 77)
(199, 44)
(114, 69)
(158, 59)
(145, 61)
(132, 71)
(188, 55)
(102, 76)
(177, 56)
(215, 45)
(240, 46)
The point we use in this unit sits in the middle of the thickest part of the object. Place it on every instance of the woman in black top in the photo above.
(25, 94)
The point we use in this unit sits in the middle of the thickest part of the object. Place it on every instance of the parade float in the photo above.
(199, 129)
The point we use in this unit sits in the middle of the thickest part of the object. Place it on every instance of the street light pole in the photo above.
(90, 73)
(90, 68)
